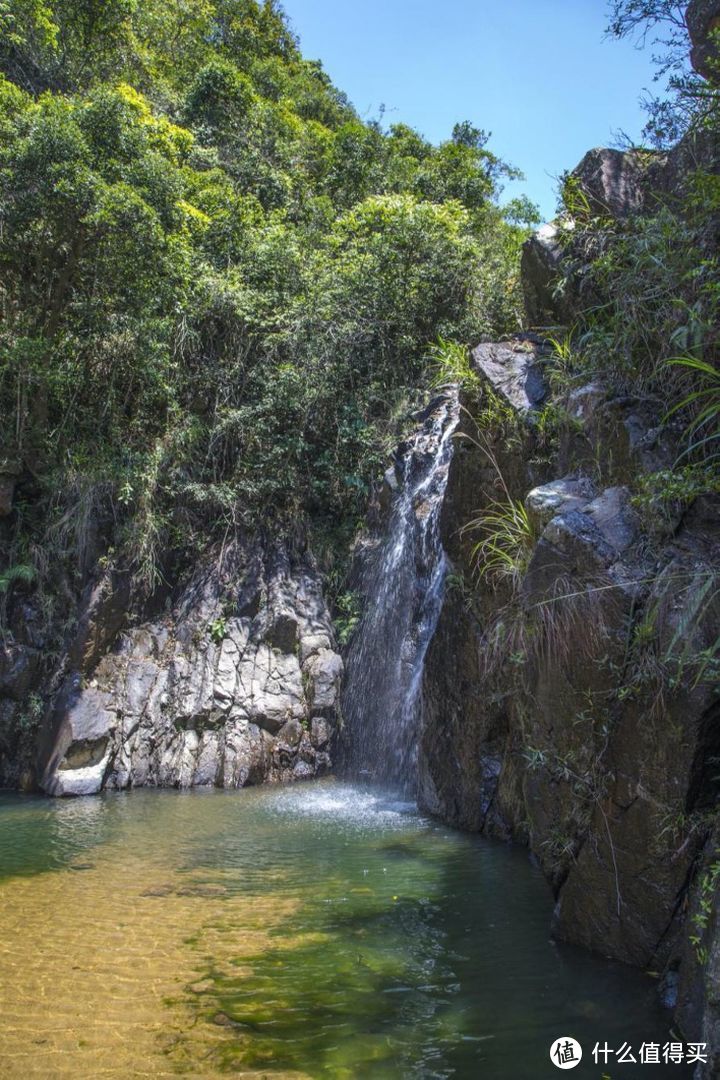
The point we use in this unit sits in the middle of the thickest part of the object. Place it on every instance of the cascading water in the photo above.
(403, 582)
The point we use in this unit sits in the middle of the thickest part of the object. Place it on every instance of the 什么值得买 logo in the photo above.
(566, 1053)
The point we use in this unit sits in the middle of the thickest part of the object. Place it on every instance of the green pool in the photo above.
(321, 930)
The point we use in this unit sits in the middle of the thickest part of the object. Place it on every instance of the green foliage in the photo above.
(574, 200)
(451, 363)
(703, 430)
(700, 602)
(655, 297)
(650, 331)
(507, 543)
(656, 667)
(29, 719)
(218, 283)
(549, 425)
(707, 888)
(498, 420)
(16, 574)
(217, 630)
(348, 607)
(687, 101)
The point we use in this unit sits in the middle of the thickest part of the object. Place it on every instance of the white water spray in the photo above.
(403, 584)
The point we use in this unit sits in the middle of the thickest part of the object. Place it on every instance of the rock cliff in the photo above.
(568, 708)
(234, 682)
(546, 715)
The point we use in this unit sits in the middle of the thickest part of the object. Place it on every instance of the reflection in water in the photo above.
(317, 931)
(41, 834)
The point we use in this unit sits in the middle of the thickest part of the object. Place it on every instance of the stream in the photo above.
(325, 930)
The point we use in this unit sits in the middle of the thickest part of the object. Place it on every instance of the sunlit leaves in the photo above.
(218, 282)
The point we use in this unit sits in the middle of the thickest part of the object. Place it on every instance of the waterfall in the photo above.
(402, 583)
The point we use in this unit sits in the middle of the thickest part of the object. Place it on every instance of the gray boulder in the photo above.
(82, 752)
(611, 181)
(514, 371)
(614, 517)
(545, 502)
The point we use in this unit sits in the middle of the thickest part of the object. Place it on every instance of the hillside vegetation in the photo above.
(219, 284)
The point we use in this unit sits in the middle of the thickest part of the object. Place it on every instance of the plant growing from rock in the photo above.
(705, 910)
(505, 549)
(450, 363)
(703, 430)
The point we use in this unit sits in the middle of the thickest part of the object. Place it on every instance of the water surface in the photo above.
(320, 931)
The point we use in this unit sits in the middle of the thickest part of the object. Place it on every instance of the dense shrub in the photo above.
(218, 283)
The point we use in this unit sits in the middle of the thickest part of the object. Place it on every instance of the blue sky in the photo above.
(538, 74)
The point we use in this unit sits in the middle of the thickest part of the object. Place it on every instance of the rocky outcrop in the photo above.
(235, 683)
(607, 183)
(622, 435)
(571, 712)
(541, 267)
(514, 370)
(611, 182)
(465, 725)
(703, 22)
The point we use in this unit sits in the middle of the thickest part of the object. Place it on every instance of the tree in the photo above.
(218, 282)
(56, 44)
(686, 100)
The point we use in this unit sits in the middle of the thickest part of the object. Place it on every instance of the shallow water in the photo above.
(314, 931)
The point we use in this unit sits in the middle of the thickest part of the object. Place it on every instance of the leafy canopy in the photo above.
(219, 284)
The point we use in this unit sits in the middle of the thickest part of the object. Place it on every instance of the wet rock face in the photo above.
(400, 573)
(235, 684)
(571, 715)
